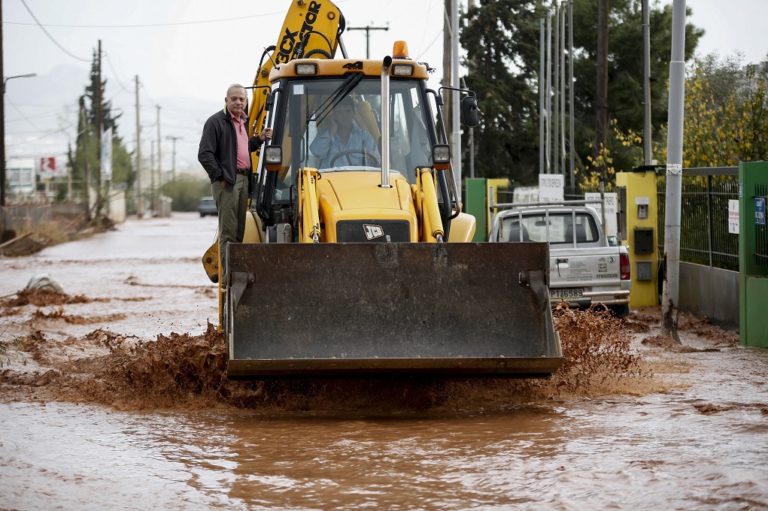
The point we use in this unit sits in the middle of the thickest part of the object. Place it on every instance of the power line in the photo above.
(22, 114)
(50, 36)
(150, 25)
(425, 50)
(117, 79)
(141, 84)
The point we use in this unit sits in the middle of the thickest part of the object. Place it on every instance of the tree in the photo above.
(501, 39)
(502, 43)
(726, 113)
(84, 159)
(625, 73)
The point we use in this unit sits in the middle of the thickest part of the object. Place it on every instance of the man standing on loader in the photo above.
(225, 153)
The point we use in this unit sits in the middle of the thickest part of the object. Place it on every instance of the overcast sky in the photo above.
(194, 49)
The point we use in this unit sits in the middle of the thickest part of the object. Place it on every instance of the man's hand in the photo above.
(265, 135)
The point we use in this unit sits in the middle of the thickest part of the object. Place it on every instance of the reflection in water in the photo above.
(658, 451)
(701, 445)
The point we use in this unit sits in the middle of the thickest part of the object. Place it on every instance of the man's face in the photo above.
(343, 113)
(235, 101)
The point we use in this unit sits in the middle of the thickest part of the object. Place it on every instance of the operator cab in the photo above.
(326, 114)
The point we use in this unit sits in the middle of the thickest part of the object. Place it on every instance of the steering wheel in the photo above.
(362, 152)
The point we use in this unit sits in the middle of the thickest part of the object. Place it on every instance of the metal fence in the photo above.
(704, 236)
(23, 218)
(761, 232)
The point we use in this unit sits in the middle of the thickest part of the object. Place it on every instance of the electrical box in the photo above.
(642, 204)
(644, 271)
(639, 195)
(643, 240)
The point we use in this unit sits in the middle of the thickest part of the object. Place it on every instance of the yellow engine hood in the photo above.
(358, 196)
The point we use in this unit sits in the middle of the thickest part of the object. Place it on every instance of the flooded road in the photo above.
(690, 431)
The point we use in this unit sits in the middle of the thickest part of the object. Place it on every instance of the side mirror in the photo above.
(273, 158)
(470, 115)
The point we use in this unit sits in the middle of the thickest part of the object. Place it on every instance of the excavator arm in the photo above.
(311, 29)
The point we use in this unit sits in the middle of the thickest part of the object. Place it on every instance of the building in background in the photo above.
(21, 177)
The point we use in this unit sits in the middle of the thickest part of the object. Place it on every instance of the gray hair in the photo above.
(234, 86)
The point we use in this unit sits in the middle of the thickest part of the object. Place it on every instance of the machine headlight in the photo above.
(273, 157)
(441, 156)
(304, 69)
(402, 70)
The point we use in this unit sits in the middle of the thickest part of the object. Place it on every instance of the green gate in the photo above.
(753, 253)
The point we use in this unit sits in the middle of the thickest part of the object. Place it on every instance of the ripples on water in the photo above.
(620, 453)
(437, 444)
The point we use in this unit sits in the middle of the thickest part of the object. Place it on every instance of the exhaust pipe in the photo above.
(385, 122)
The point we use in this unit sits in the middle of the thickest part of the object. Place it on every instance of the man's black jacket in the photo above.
(218, 147)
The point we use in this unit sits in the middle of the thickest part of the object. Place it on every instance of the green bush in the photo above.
(186, 191)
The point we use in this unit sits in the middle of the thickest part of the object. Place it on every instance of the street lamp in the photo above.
(2, 135)
(5, 80)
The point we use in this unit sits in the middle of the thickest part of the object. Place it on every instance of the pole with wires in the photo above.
(139, 196)
(674, 174)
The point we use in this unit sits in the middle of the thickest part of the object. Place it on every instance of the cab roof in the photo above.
(343, 67)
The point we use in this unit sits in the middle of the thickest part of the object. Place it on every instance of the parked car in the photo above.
(585, 268)
(207, 206)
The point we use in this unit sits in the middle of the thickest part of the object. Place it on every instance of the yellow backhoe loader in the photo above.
(357, 258)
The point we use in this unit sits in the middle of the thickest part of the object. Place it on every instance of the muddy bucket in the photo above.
(414, 308)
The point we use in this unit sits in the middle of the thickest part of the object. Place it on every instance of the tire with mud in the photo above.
(620, 311)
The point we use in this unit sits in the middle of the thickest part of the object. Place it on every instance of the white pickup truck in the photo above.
(584, 268)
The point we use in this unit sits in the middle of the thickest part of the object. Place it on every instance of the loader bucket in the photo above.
(412, 308)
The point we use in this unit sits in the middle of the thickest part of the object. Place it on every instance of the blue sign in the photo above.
(760, 210)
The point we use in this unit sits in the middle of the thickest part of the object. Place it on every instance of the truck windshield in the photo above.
(555, 228)
(334, 125)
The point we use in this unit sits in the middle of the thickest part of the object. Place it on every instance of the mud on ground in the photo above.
(603, 355)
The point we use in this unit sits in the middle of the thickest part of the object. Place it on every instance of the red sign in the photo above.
(48, 167)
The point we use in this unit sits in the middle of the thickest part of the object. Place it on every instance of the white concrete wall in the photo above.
(711, 292)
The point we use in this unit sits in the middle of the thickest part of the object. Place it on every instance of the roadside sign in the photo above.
(733, 216)
(106, 154)
(551, 187)
(611, 201)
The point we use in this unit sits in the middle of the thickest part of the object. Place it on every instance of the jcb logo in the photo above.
(373, 231)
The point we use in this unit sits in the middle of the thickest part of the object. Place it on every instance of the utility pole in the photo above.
(562, 90)
(674, 175)
(139, 197)
(173, 155)
(571, 151)
(601, 96)
(2, 116)
(152, 177)
(548, 98)
(368, 29)
(556, 109)
(99, 124)
(647, 133)
(542, 83)
(446, 81)
(456, 146)
(2, 127)
(159, 151)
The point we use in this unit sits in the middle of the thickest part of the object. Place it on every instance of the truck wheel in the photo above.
(620, 311)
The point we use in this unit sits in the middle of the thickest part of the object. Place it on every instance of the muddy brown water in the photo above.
(645, 426)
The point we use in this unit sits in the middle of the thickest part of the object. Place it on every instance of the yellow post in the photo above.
(642, 211)
(492, 194)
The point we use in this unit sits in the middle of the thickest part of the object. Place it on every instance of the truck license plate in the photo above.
(566, 294)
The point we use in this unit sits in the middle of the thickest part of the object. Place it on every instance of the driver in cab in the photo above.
(341, 142)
